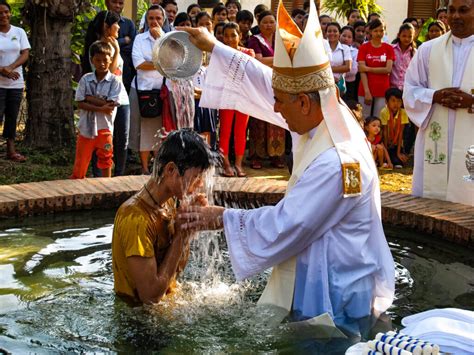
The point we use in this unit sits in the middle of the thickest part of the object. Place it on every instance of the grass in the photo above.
(40, 165)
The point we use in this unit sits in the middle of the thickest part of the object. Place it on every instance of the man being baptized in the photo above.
(148, 253)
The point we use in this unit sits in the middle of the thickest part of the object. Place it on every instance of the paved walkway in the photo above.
(445, 219)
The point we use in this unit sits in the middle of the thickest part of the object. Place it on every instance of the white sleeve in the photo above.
(417, 96)
(355, 64)
(347, 53)
(260, 238)
(24, 43)
(137, 52)
(235, 81)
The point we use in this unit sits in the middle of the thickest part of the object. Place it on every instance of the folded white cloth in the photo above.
(451, 313)
(452, 329)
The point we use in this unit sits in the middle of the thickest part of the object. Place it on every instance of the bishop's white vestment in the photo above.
(344, 266)
(421, 81)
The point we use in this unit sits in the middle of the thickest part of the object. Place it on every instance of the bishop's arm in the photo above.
(263, 237)
(236, 81)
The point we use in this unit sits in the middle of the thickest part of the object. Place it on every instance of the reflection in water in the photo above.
(56, 294)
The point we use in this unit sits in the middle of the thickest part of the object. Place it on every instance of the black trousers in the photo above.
(10, 101)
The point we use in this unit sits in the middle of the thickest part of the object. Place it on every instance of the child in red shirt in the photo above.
(375, 59)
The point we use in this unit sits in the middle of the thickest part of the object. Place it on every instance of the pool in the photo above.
(56, 293)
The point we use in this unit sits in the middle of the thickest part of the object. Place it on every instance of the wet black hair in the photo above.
(244, 15)
(4, 3)
(264, 14)
(187, 149)
(99, 47)
(393, 92)
(180, 18)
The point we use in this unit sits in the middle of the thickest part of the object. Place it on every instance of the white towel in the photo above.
(452, 329)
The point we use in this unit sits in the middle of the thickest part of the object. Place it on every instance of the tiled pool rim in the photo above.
(446, 220)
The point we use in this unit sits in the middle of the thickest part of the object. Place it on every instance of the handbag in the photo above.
(341, 85)
(149, 101)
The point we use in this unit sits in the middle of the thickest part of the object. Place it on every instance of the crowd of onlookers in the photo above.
(117, 67)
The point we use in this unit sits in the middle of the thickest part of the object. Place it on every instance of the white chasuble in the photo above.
(344, 268)
(280, 287)
(443, 176)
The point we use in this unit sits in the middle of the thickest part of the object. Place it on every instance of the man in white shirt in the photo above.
(438, 99)
(324, 240)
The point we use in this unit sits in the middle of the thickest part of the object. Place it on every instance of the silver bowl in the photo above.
(175, 57)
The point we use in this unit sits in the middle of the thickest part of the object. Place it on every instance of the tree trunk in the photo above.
(49, 92)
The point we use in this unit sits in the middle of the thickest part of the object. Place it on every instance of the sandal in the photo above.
(16, 157)
(256, 164)
(240, 172)
(228, 173)
(277, 163)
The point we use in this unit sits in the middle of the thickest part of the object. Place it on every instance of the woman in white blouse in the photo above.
(340, 56)
(143, 131)
(14, 52)
(352, 82)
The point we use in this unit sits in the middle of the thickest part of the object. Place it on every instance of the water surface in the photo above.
(56, 293)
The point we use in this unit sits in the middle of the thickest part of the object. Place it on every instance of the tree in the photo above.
(342, 7)
(49, 91)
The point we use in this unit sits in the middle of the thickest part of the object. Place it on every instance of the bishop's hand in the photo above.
(200, 37)
(197, 218)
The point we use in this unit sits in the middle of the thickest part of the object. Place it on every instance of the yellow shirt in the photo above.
(139, 230)
(385, 116)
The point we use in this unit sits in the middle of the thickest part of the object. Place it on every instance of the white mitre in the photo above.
(301, 65)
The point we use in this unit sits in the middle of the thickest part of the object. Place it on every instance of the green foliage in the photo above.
(17, 19)
(342, 7)
(422, 36)
(142, 6)
(79, 28)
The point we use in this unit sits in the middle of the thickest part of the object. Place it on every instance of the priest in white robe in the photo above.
(438, 97)
(324, 239)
